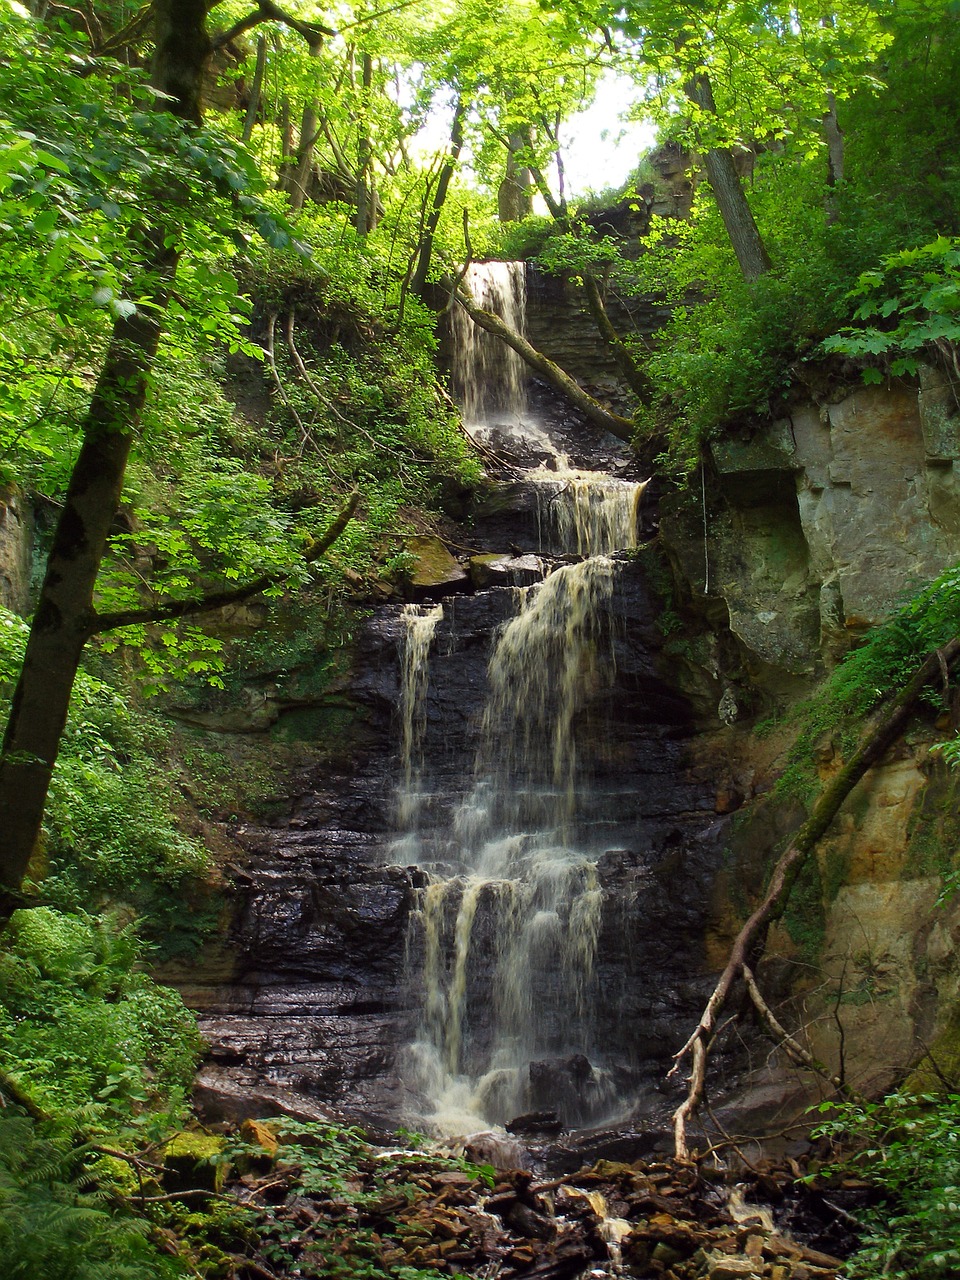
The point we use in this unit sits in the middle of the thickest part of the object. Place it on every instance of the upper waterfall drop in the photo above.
(489, 379)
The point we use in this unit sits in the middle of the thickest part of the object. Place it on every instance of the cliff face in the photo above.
(813, 529)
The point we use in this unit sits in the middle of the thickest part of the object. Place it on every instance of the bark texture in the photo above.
(730, 196)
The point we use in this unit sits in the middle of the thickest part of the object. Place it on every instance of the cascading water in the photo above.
(488, 377)
(507, 925)
(420, 624)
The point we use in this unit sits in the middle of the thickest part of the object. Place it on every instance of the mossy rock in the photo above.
(261, 1137)
(194, 1160)
(433, 566)
(945, 1052)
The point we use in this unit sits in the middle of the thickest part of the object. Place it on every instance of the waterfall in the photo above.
(585, 513)
(488, 376)
(504, 937)
(420, 624)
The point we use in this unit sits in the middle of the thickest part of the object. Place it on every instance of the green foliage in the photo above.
(731, 348)
(909, 1149)
(79, 1020)
(886, 659)
(913, 302)
(109, 826)
(57, 1223)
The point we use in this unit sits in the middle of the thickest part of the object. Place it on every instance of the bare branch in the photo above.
(173, 609)
(267, 11)
(752, 936)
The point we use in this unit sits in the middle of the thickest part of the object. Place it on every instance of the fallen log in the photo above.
(558, 378)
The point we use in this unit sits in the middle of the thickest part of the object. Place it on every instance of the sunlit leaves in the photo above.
(911, 302)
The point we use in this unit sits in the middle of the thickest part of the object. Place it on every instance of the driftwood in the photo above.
(750, 940)
(557, 377)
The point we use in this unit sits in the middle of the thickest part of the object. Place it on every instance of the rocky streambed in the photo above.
(321, 1202)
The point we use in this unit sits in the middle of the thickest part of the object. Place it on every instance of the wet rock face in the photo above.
(318, 1001)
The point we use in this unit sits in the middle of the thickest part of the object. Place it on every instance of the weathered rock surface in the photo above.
(817, 527)
(819, 524)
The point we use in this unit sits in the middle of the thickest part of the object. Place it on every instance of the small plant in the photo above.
(908, 1148)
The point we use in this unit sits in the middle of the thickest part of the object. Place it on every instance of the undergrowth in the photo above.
(908, 1149)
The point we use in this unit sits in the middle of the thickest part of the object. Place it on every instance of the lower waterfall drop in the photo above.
(509, 920)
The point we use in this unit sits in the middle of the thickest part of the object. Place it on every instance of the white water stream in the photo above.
(509, 922)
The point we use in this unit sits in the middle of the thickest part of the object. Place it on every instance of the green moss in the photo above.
(193, 1158)
(804, 918)
(945, 1052)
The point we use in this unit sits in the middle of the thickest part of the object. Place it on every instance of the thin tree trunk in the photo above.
(41, 699)
(834, 136)
(557, 377)
(299, 182)
(418, 280)
(366, 195)
(751, 938)
(286, 168)
(515, 193)
(256, 89)
(630, 371)
(730, 196)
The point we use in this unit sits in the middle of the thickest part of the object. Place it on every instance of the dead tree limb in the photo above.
(557, 377)
(751, 937)
(782, 1036)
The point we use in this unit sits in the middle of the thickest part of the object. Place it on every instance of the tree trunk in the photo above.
(834, 136)
(629, 370)
(515, 193)
(365, 191)
(750, 940)
(299, 181)
(557, 377)
(287, 166)
(64, 608)
(418, 281)
(730, 196)
(256, 89)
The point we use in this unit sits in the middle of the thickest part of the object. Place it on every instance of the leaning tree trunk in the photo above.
(750, 940)
(418, 281)
(629, 370)
(298, 182)
(558, 378)
(730, 196)
(64, 607)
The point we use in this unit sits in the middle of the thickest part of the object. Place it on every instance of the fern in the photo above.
(56, 1223)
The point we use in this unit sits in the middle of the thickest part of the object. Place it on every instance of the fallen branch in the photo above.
(751, 937)
(779, 1033)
